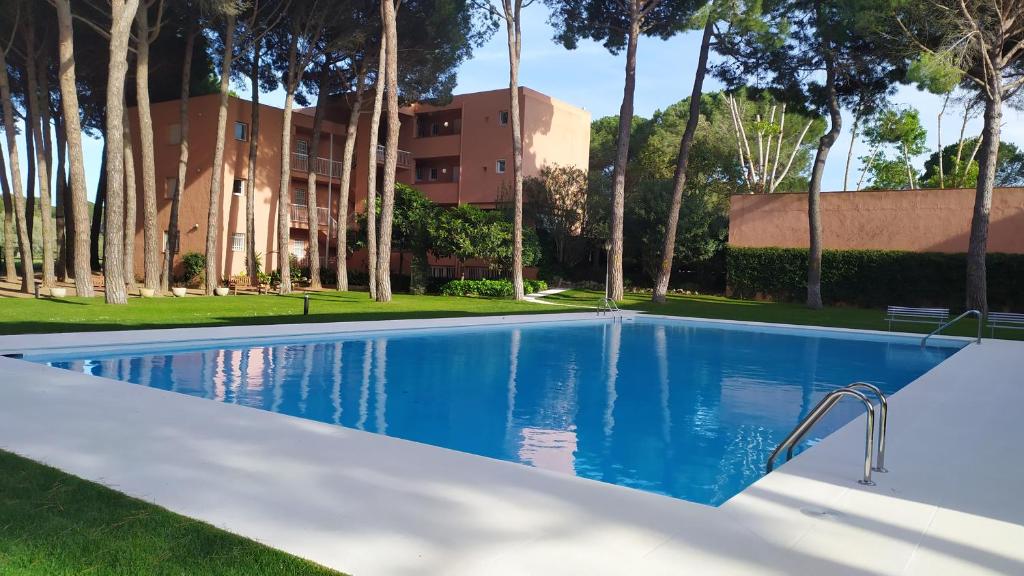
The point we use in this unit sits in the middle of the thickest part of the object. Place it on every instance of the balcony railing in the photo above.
(300, 215)
(404, 157)
(322, 166)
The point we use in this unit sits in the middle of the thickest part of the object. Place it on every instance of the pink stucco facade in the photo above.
(452, 153)
(912, 220)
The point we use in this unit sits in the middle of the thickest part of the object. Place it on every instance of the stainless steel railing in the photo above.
(607, 306)
(974, 313)
(823, 407)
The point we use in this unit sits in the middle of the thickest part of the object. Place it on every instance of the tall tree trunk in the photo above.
(62, 268)
(44, 157)
(150, 233)
(122, 15)
(311, 178)
(387, 204)
(910, 166)
(682, 161)
(513, 12)
(173, 233)
(98, 210)
(351, 130)
(371, 179)
(73, 129)
(938, 138)
(814, 188)
(10, 233)
(849, 152)
(30, 182)
(217, 179)
(977, 282)
(18, 200)
(40, 137)
(130, 208)
(615, 279)
(284, 192)
(252, 266)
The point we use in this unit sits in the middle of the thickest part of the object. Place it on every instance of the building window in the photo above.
(238, 242)
(503, 118)
(300, 198)
(455, 173)
(433, 173)
(170, 188)
(419, 173)
(435, 129)
(302, 147)
(241, 131)
(177, 242)
(499, 166)
(174, 134)
(238, 188)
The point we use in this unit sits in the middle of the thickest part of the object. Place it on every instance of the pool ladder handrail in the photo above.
(823, 407)
(976, 313)
(607, 306)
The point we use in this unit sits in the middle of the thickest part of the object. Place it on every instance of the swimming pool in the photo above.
(683, 408)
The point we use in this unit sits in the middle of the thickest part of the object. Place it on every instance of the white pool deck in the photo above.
(371, 505)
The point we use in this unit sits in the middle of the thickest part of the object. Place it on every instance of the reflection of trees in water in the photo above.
(364, 386)
(336, 368)
(381, 380)
(515, 338)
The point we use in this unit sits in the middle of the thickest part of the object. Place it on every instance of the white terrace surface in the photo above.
(372, 505)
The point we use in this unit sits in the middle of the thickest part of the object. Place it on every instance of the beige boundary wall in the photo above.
(912, 220)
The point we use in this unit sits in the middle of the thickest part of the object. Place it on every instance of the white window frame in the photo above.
(238, 242)
(502, 117)
(238, 186)
(245, 131)
(305, 197)
(177, 244)
(170, 185)
(500, 165)
(174, 134)
(432, 173)
(302, 147)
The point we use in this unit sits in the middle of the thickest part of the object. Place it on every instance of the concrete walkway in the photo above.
(372, 505)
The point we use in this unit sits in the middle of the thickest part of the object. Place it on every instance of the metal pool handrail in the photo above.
(883, 417)
(816, 414)
(954, 321)
(607, 305)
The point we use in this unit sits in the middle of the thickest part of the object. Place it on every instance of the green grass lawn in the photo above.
(756, 311)
(28, 315)
(52, 523)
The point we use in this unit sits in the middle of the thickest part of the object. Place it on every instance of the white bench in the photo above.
(936, 316)
(1008, 320)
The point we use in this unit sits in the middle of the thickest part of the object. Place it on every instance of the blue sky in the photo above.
(592, 78)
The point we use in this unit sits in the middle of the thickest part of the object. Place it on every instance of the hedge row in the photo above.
(873, 278)
(490, 288)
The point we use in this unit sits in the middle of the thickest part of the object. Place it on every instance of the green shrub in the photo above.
(534, 286)
(193, 266)
(489, 288)
(873, 278)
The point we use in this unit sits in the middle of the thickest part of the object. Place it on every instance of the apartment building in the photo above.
(459, 153)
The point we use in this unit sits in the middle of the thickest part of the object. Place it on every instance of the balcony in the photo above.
(322, 166)
(300, 216)
(404, 157)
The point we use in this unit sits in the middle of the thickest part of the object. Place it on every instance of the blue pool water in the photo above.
(686, 409)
